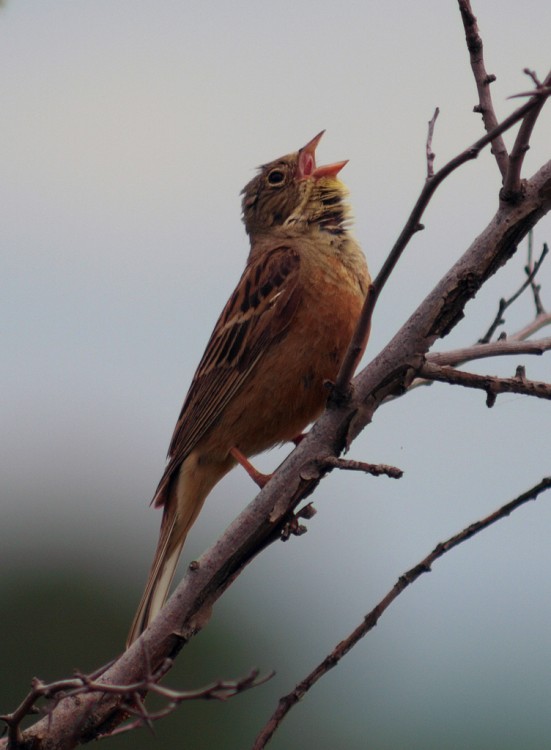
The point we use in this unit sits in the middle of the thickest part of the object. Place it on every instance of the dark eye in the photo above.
(276, 177)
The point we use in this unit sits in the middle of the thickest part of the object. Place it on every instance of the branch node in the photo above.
(491, 397)
(307, 512)
(429, 152)
(339, 395)
(292, 528)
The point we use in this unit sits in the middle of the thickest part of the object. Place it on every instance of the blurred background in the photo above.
(128, 130)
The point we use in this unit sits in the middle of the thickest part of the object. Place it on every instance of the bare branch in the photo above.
(483, 80)
(132, 704)
(341, 389)
(491, 384)
(531, 271)
(504, 347)
(512, 189)
(540, 321)
(370, 620)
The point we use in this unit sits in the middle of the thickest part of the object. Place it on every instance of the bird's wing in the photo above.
(256, 316)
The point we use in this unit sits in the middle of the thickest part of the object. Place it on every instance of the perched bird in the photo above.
(281, 336)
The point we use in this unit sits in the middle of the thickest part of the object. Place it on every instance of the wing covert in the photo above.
(256, 317)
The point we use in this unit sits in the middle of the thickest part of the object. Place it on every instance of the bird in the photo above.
(278, 342)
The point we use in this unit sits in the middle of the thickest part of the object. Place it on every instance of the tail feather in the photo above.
(182, 500)
(159, 579)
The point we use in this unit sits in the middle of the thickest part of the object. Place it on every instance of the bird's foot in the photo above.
(257, 476)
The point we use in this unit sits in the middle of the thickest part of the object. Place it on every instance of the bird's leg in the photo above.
(297, 440)
(257, 476)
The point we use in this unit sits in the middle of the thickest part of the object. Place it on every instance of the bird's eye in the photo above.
(276, 177)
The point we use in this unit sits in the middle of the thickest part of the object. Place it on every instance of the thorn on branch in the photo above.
(491, 397)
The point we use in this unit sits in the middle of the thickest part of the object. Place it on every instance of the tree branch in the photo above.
(131, 694)
(491, 384)
(512, 189)
(505, 347)
(531, 271)
(540, 321)
(483, 80)
(371, 619)
(357, 345)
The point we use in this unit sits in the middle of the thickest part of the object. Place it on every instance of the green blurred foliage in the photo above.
(56, 621)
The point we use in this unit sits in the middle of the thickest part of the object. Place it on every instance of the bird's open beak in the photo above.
(307, 162)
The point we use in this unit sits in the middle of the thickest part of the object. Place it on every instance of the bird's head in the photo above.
(292, 192)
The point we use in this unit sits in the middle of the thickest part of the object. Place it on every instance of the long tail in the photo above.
(171, 541)
(182, 498)
(182, 504)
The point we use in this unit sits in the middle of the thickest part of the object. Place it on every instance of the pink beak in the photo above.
(307, 162)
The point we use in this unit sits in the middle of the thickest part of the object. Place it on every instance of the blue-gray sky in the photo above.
(128, 130)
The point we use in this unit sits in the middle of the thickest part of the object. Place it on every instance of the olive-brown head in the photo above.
(293, 192)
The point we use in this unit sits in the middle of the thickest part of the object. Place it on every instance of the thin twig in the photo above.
(483, 80)
(512, 188)
(83, 684)
(536, 288)
(491, 384)
(505, 303)
(430, 152)
(539, 322)
(341, 389)
(506, 347)
(375, 470)
(370, 620)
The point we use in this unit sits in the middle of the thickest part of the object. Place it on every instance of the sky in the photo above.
(128, 131)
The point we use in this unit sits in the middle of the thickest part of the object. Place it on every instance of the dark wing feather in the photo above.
(256, 317)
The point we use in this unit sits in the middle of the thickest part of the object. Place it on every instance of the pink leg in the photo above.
(257, 476)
